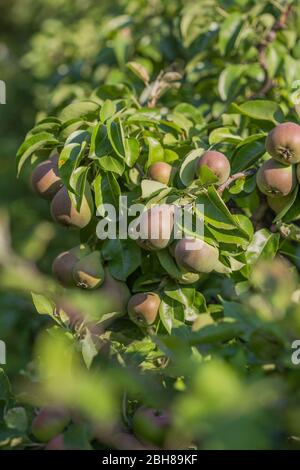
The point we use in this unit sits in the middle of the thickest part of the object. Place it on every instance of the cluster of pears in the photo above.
(277, 177)
(149, 426)
(215, 161)
(193, 256)
(79, 266)
(83, 267)
(47, 183)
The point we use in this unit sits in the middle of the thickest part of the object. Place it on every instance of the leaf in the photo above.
(84, 109)
(252, 138)
(229, 31)
(150, 187)
(51, 125)
(187, 169)
(108, 109)
(194, 302)
(43, 305)
(263, 245)
(291, 210)
(88, 348)
(100, 144)
(170, 156)
(230, 81)
(139, 70)
(112, 92)
(166, 314)
(132, 151)
(78, 184)
(123, 256)
(169, 264)
(78, 137)
(107, 191)
(223, 134)
(246, 156)
(262, 110)
(109, 163)
(68, 127)
(206, 175)
(220, 332)
(68, 160)
(215, 211)
(116, 137)
(31, 145)
(156, 151)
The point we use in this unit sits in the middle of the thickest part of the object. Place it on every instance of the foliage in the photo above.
(155, 82)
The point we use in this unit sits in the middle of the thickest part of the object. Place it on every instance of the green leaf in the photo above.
(78, 181)
(51, 125)
(132, 151)
(150, 187)
(262, 110)
(156, 151)
(139, 70)
(229, 31)
(108, 109)
(216, 212)
(170, 156)
(230, 81)
(31, 145)
(109, 163)
(166, 314)
(194, 302)
(84, 109)
(223, 134)
(107, 191)
(292, 210)
(246, 156)
(100, 144)
(169, 264)
(187, 169)
(123, 256)
(43, 305)
(206, 175)
(264, 245)
(116, 137)
(68, 127)
(78, 137)
(88, 348)
(68, 160)
(218, 333)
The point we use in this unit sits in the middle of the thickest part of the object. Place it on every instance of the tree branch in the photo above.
(231, 179)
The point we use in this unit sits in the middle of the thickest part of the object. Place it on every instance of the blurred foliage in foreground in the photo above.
(230, 385)
(222, 392)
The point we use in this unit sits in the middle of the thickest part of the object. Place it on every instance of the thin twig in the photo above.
(231, 179)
